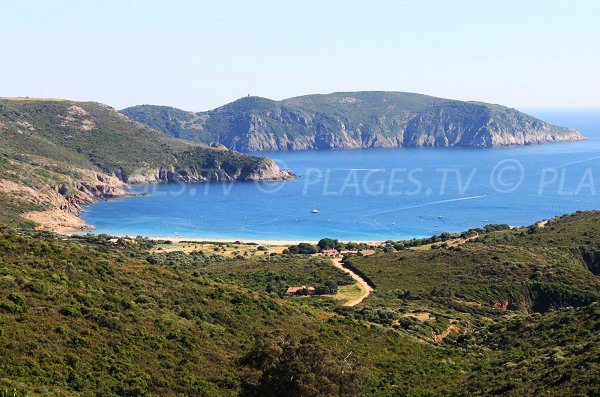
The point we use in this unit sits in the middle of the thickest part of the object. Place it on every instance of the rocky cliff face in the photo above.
(351, 121)
(266, 171)
(60, 204)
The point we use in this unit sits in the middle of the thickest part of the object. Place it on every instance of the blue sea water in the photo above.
(376, 194)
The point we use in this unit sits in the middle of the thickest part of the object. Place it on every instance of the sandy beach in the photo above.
(271, 242)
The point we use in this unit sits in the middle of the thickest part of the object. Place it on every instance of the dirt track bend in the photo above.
(364, 286)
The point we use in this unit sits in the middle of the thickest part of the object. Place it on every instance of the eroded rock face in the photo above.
(266, 171)
(63, 201)
(269, 171)
(91, 187)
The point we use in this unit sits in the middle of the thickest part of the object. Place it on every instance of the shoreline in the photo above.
(257, 241)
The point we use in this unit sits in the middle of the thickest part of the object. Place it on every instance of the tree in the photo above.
(327, 244)
(306, 248)
(288, 367)
(302, 248)
(332, 286)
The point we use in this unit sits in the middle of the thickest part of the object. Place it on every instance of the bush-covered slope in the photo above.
(84, 316)
(555, 354)
(91, 316)
(272, 274)
(95, 136)
(431, 292)
(352, 120)
(57, 154)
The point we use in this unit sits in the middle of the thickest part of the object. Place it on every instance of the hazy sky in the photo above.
(198, 55)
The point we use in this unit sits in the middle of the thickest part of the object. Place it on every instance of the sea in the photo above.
(377, 194)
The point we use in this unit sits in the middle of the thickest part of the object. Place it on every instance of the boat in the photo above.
(314, 211)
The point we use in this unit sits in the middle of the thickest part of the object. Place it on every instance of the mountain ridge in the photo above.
(353, 120)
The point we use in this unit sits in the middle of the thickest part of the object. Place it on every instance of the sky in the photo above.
(198, 55)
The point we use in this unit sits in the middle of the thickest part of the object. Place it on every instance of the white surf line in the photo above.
(360, 169)
(426, 205)
(574, 162)
(364, 286)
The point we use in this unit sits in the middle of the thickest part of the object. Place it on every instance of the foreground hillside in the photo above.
(349, 120)
(83, 317)
(511, 312)
(58, 154)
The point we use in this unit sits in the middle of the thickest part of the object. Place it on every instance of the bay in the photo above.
(376, 194)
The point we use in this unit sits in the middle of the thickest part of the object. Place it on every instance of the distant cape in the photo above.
(352, 120)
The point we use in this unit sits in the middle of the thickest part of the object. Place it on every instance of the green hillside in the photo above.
(347, 120)
(59, 154)
(512, 312)
(85, 316)
(553, 354)
(528, 270)
(92, 135)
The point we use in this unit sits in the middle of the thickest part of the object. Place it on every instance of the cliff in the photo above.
(353, 120)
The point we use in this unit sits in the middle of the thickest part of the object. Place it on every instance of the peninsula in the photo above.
(353, 120)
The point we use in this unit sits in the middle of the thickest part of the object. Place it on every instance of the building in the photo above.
(348, 252)
(302, 290)
(330, 252)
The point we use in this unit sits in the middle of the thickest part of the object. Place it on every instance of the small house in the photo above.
(302, 290)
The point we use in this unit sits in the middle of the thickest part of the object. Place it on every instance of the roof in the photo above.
(293, 290)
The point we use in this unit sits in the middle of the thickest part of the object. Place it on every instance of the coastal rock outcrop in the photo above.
(267, 170)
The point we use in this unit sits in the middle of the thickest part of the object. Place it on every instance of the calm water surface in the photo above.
(376, 194)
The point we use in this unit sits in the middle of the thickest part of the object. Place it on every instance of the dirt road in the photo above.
(364, 286)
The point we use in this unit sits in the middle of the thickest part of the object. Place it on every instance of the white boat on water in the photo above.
(314, 211)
